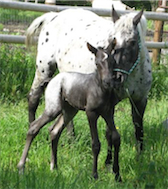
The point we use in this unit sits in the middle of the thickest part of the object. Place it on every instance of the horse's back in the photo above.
(64, 39)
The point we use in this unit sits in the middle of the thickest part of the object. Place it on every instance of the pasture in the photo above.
(148, 171)
(74, 155)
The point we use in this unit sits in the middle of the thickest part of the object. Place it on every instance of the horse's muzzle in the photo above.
(108, 84)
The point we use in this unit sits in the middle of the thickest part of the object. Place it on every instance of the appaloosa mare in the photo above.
(61, 45)
(69, 92)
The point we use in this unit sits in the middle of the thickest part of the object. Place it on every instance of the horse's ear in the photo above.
(91, 48)
(115, 16)
(137, 18)
(112, 45)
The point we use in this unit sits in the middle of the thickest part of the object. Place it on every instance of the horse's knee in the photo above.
(116, 139)
(139, 134)
(96, 148)
(56, 129)
(33, 102)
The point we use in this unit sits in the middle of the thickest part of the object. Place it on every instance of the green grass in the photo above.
(17, 68)
(75, 158)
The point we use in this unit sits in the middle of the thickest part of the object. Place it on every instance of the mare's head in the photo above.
(128, 47)
(104, 62)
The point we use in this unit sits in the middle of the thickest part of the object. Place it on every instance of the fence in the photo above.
(100, 12)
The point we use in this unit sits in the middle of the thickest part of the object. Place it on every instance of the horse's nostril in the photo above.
(108, 83)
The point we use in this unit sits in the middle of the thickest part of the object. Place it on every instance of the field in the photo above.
(75, 157)
(147, 171)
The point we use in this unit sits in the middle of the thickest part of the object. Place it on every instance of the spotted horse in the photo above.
(62, 45)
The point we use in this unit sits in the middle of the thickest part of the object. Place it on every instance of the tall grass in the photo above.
(17, 68)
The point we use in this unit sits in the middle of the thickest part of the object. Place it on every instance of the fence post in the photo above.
(50, 2)
(158, 33)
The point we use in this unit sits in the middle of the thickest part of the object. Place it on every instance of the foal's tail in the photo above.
(35, 28)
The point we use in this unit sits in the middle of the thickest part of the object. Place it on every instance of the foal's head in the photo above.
(104, 62)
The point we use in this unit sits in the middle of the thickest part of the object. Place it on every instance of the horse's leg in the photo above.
(55, 133)
(70, 129)
(56, 130)
(44, 73)
(109, 139)
(34, 97)
(138, 109)
(32, 132)
(113, 139)
(109, 150)
(92, 118)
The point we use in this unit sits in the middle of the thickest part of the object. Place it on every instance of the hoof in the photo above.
(95, 176)
(108, 162)
(118, 178)
(20, 167)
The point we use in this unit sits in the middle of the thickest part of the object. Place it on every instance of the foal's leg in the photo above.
(55, 133)
(113, 139)
(138, 109)
(92, 118)
(56, 130)
(32, 132)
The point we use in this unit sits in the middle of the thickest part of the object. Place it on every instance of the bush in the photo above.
(17, 68)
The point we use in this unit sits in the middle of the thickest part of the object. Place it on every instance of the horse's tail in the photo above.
(36, 26)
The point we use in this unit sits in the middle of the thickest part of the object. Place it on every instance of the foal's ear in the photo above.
(111, 45)
(137, 18)
(91, 48)
(115, 16)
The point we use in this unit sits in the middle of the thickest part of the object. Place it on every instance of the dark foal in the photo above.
(69, 92)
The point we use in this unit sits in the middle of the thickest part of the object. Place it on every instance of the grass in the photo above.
(17, 68)
(75, 158)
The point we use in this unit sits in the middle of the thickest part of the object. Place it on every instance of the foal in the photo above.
(69, 92)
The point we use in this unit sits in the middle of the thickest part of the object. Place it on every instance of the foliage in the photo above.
(138, 4)
(17, 68)
(148, 5)
(17, 16)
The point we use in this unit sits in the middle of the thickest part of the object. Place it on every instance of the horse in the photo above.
(61, 46)
(69, 92)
